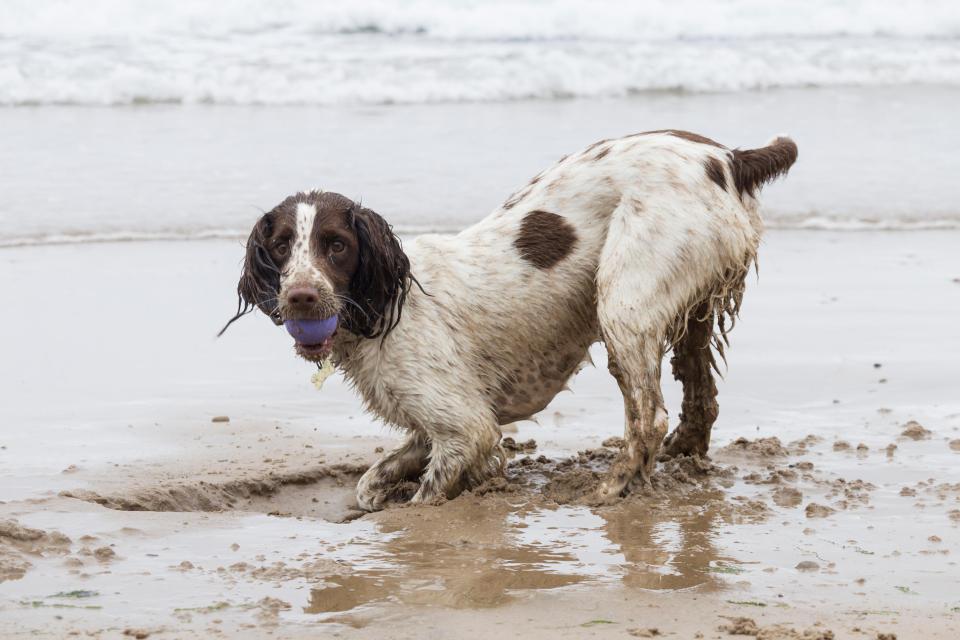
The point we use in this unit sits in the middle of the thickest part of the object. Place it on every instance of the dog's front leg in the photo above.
(406, 462)
(460, 458)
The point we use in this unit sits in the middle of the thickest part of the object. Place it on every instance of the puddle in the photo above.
(482, 551)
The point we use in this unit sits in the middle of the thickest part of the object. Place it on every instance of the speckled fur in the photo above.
(495, 337)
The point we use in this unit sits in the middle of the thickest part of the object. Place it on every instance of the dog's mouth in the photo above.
(315, 352)
(313, 337)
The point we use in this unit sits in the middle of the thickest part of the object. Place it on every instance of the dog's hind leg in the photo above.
(693, 365)
(638, 297)
(406, 462)
(636, 367)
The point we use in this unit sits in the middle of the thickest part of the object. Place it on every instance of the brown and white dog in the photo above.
(642, 242)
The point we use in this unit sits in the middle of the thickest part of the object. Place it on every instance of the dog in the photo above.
(642, 243)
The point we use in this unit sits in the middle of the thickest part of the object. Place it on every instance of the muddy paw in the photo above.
(372, 491)
(678, 444)
(371, 500)
(599, 497)
(377, 498)
(609, 492)
(639, 483)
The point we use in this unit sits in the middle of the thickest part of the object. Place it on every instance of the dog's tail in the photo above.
(753, 168)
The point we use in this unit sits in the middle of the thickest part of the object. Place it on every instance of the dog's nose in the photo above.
(303, 296)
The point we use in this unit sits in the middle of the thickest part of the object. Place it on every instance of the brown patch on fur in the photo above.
(693, 365)
(602, 154)
(686, 135)
(715, 172)
(752, 168)
(545, 239)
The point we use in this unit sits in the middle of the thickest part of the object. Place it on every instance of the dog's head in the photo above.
(317, 254)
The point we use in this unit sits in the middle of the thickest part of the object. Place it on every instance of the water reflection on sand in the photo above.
(486, 552)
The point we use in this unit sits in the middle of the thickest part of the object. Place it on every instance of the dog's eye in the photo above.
(281, 249)
(337, 246)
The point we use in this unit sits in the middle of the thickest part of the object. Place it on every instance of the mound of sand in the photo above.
(749, 627)
(18, 542)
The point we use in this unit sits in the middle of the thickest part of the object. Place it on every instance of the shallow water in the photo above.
(880, 157)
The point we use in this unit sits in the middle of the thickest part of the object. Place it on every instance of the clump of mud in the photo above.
(211, 496)
(815, 510)
(774, 476)
(740, 627)
(574, 480)
(18, 543)
(800, 446)
(764, 447)
(497, 484)
(850, 493)
(749, 627)
(268, 610)
(915, 431)
(511, 445)
(787, 497)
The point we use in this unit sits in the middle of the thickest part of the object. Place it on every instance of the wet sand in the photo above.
(830, 506)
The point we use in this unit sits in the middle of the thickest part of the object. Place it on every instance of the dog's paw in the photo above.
(375, 494)
(371, 495)
(371, 500)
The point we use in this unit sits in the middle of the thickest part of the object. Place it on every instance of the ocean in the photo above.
(168, 120)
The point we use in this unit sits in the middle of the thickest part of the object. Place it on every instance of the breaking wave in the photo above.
(114, 52)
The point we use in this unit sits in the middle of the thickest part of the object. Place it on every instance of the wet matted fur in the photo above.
(642, 242)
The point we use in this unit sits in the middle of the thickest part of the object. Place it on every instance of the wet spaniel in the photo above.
(641, 242)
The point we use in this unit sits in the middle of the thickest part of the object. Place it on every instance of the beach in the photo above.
(159, 482)
(842, 524)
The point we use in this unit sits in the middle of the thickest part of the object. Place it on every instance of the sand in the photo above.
(163, 484)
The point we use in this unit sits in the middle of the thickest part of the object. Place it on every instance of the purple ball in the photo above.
(311, 331)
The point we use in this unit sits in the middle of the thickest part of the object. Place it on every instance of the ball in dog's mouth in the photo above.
(314, 338)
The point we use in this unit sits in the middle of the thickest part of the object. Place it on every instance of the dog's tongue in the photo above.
(309, 332)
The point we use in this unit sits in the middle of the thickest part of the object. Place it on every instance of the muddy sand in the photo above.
(209, 492)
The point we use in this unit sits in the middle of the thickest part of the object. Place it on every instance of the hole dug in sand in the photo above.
(325, 492)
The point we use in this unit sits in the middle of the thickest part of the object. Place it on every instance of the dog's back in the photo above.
(518, 291)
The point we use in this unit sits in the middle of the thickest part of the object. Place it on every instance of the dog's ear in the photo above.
(259, 283)
(381, 282)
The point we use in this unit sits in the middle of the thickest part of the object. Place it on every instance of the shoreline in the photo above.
(205, 235)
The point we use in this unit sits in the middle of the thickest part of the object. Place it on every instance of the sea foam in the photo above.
(108, 52)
